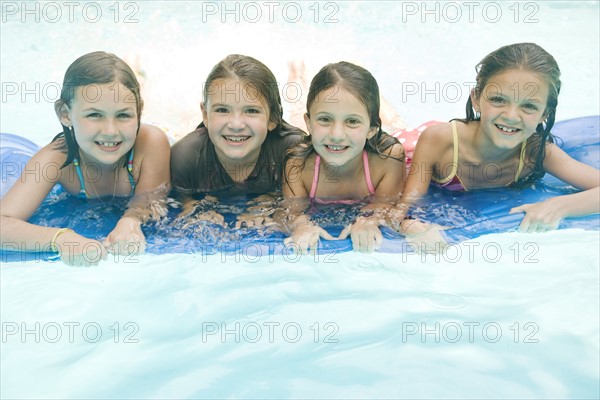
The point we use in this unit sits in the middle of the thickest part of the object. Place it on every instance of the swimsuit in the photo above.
(83, 193)
(452, 182)
(315, 181)
(409, 139)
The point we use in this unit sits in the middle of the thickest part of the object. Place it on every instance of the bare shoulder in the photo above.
(394, 157)
(556, 158)
(301, 169)
(552, 150)
(50, 154)
(151, 134)
(437, 140)
(438, 134)
(151, 140)
(299, 165)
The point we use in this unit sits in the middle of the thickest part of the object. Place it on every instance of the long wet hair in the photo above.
(528, 57)
(360, 83)
(95, 68)
(261, 84)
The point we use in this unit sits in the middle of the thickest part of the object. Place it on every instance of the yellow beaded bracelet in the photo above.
(56, 235)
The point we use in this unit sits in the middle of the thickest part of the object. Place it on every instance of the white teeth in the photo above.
(237, 138)
(108, 144)
(336, 148)
(507, 130)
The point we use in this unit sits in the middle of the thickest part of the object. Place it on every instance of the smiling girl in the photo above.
(347, 159)
(240, 144)
(505, 140)
(103, 152)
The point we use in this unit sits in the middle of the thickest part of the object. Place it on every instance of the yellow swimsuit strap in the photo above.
(454, 157)
(521, 161)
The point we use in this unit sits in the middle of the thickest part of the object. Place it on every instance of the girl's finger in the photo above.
(345, 232)
(525, 224)
(519, 209)
(378, 240)
(325, 235)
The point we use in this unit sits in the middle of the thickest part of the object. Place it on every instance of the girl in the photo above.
(240, 144)
(102, 152)
(510, 114)
(347, 157)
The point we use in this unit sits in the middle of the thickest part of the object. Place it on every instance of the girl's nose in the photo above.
(511, 113)
(236, 122)
(337, 131)
(110, 128)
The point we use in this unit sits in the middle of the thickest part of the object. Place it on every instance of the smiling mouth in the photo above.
(506, 129)
(336, 148)
(236, 139)
(108, 144)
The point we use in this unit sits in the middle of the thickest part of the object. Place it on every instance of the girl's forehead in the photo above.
(521, 83)
(232, 90)
(104, 92)
(338, 96)
(517, 77)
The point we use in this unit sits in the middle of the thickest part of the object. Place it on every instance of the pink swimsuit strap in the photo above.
(315, 181)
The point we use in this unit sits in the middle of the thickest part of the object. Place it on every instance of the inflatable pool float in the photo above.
(469, 214)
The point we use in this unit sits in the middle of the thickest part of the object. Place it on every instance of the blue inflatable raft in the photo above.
(471, 214)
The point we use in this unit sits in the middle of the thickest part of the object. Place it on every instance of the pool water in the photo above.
(506, 315)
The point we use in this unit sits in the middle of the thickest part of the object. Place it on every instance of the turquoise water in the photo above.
(502, 316)
(518, 320)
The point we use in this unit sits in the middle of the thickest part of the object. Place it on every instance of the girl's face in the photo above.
(339, 125)
(512, 104)
(237, 120)
(104, 119)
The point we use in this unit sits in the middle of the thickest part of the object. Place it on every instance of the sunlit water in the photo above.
(506, 315)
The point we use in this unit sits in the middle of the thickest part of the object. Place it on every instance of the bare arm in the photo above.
(154, 182)
(431, 146)
(547, 214)
(39, 176)
(290, 217)
(364, 232)
(152, 153)
(295, 195)
(25, 197)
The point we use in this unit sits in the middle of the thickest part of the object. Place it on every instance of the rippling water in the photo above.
(493, 319)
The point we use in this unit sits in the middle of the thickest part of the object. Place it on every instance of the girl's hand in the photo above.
(305, 238)
(540, 217)
(253, 221)
(258, 213)
(423, 237)
(209, 216)
(190, 206)
(394, 217)
(78, 251)
(365, 234)
(127, 238)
